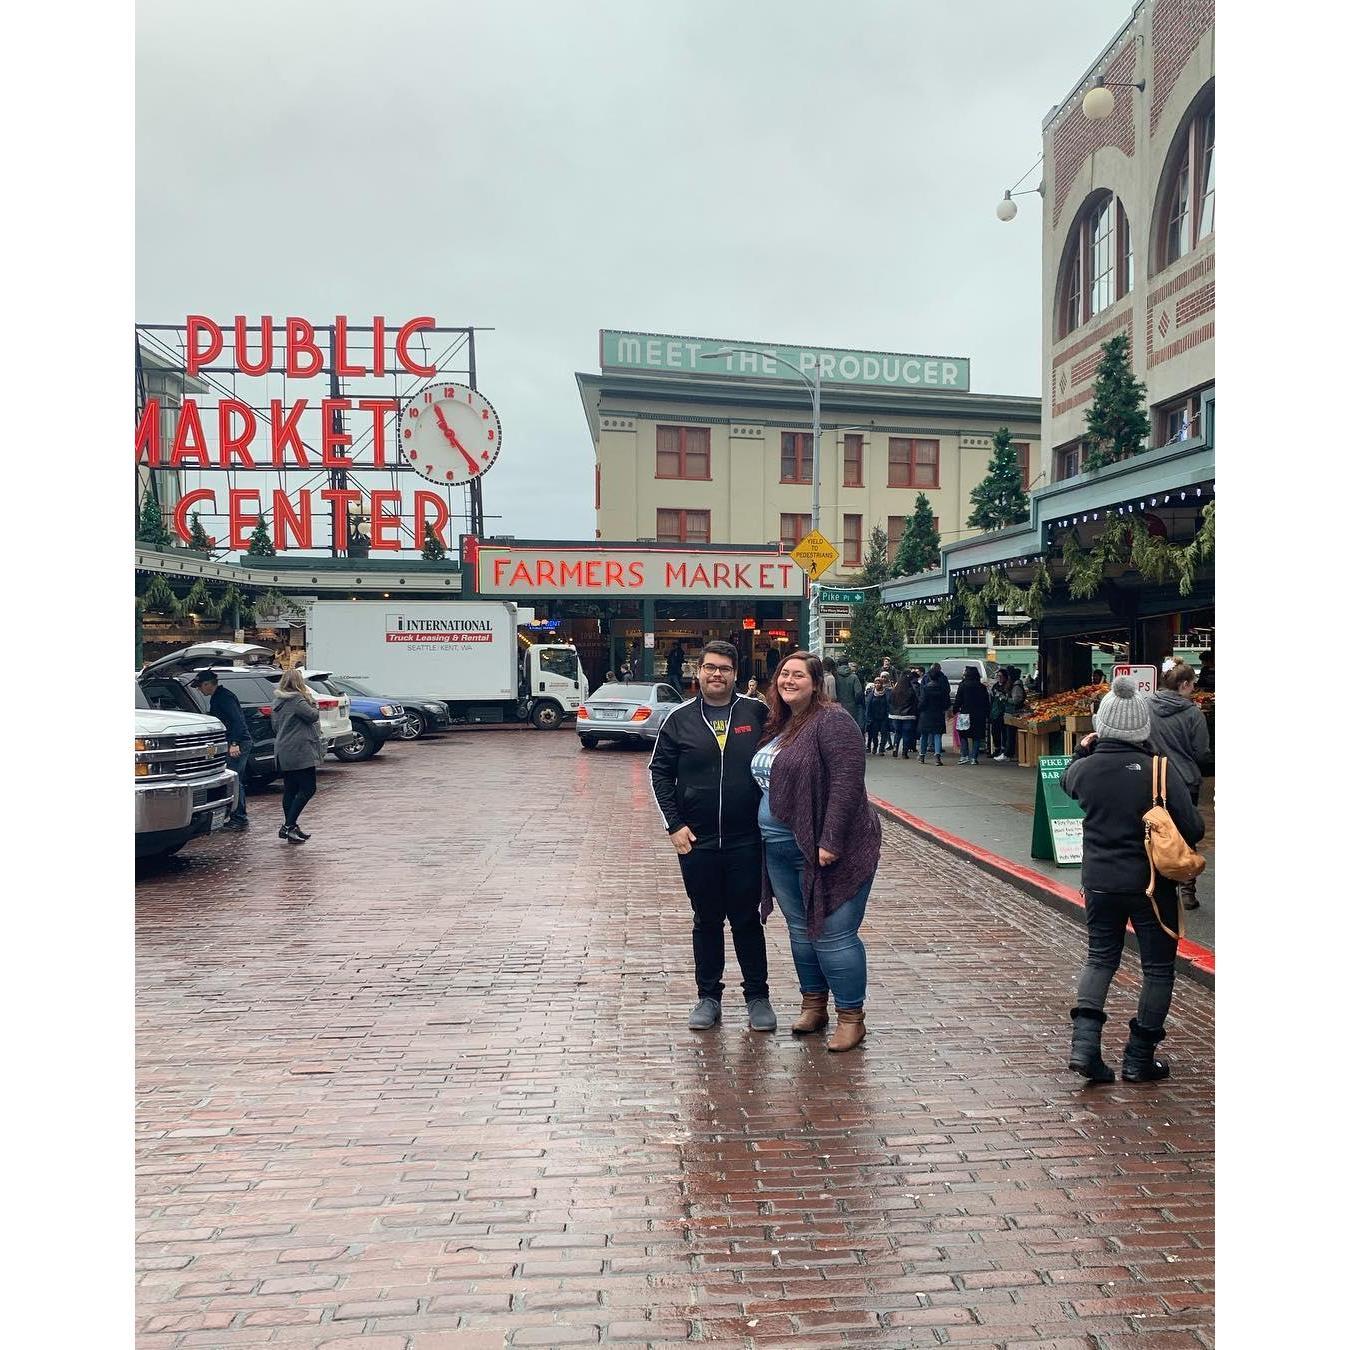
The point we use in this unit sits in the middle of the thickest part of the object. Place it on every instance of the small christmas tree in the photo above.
(999, 499)
(198, 538)
(1117, 422)
(432, 548)
(874, 631)
(151, 529)
(919, 548)
(260, 542)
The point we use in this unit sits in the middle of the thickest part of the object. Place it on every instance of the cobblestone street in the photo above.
(425, 1083)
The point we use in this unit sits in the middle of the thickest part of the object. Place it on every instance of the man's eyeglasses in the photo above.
(717, 670)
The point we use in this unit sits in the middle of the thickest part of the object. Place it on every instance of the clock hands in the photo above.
(454, 440)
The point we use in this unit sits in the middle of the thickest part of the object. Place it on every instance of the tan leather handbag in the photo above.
(1168, 853)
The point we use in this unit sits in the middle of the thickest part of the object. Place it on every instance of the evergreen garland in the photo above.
(160, 599)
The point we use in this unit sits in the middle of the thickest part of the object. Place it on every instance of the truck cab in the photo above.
(552, 683)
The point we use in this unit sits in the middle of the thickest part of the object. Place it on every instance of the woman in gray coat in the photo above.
(299, 749)
(1180, 733)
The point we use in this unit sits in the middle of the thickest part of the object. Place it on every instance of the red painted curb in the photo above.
(1201, 959)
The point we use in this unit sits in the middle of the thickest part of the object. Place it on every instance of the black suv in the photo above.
(254, 686)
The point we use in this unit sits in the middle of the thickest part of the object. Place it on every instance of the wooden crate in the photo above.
(1044, 738)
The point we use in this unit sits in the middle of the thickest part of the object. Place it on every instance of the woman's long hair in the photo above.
(292, 682)
(782, 721)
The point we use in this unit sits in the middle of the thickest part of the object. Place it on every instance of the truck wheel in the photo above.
(547, 716)
(589, 742)
(362, 745)
(415, 726)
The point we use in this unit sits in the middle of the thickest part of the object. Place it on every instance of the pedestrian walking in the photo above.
(700, 772)
(1014, 705)
(299, 750)
(675, 667)
(998, 701)
(1181, 733)
(878, 717)
(849, 691)
(625, 672)
(902, 707)
(831, 676)
(752, 691)
(1111, 778)
(611, 677)
(222, 704)
(822, 844)
(935, 699)
(971, 706)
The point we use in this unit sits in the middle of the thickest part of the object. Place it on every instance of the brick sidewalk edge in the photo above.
(1193, 960)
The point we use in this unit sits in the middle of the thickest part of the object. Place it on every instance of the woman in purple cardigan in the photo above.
(822, 843)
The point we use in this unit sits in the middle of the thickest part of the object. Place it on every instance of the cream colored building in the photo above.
(1128, 229)
(690, 450)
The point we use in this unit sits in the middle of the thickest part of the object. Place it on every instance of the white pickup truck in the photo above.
(184, 784)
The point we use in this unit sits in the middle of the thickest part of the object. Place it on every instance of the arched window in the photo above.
(1187, 198)
(1099, 263)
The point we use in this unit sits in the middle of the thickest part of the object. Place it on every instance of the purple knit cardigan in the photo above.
(817, 789)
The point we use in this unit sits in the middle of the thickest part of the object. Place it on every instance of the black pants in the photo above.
(298, 786)
(723, 887)
(1106, 917)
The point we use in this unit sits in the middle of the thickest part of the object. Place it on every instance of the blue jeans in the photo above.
(240, 766)
(970, 747)
(836, 961)
(930, 740)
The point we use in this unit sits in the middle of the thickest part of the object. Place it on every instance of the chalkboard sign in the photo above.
(1057, 828)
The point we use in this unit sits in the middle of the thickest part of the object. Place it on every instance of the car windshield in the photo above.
(141, 700)
(627, 693)
(559, 661)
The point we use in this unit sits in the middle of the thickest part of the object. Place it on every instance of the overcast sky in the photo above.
(784, 172)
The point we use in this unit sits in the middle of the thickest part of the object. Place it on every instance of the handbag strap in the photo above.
(1160, 780)
(1160, 799)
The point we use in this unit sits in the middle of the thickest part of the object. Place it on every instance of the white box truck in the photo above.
(466, 653)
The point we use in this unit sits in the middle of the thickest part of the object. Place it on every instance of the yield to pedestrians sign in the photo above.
(815, 555)
(1057, 829)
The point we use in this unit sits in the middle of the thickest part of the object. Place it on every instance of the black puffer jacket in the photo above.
(698, 784)
(973, 698)
(1113, 783)
(935, 698)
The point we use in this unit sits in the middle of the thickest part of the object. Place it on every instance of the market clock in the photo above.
(449, 434)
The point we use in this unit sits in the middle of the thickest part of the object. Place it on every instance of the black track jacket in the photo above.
(702, 786)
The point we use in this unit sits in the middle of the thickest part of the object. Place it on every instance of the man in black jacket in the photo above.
(700, 770)
(225, 706)
(1111, 778)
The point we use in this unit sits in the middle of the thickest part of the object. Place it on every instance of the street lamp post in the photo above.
(812, 382)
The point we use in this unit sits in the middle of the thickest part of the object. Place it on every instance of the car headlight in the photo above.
(147, 742)
(386, 710)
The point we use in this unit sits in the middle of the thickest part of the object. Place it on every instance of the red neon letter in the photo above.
(147, 432)
(401, 347)
(234, 445)
(286, 432)
(340, 351)
(421, 500)
(499, 565)
(613, 573)
(377, 345)
(300, 339)
(264, 362)
(334, 438)
(285, 520)
(197, 357)
(379, 409)
(343, 500)
(380, 522)
(185, 504)
(188, 440)
(239, 499)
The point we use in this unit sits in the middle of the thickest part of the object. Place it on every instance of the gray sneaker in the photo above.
(762, 1015)
(707, 1013)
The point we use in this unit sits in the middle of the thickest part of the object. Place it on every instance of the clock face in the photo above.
(449, 434)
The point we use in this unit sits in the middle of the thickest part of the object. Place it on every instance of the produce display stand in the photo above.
(1035, 738)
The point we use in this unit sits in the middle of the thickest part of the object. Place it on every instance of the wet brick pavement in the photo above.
(424, 1083)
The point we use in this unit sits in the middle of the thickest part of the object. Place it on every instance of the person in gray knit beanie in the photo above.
(1122, 715)
(1111, 778)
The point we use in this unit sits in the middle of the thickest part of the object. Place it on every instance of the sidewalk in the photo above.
(991, 806)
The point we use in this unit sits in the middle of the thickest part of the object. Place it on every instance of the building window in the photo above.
(912, 464)
(853, 461)
(895, 532)
(675, 526)
(793, 527)
(1099, 263)
(1180, 420)
(1188, 193)
(852, 541)
(796, 466)
(1068, 460)
(683, 452)
(837, 632)
(1023, 449)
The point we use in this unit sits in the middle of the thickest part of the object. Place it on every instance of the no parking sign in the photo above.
(1145, 677)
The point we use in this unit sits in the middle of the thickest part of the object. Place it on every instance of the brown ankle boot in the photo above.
(815, 1014)
(849, 1031)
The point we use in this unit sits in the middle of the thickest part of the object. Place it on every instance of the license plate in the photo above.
(217, 818)
(610, 714)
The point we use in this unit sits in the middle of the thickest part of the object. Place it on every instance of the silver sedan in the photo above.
(625, 712)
